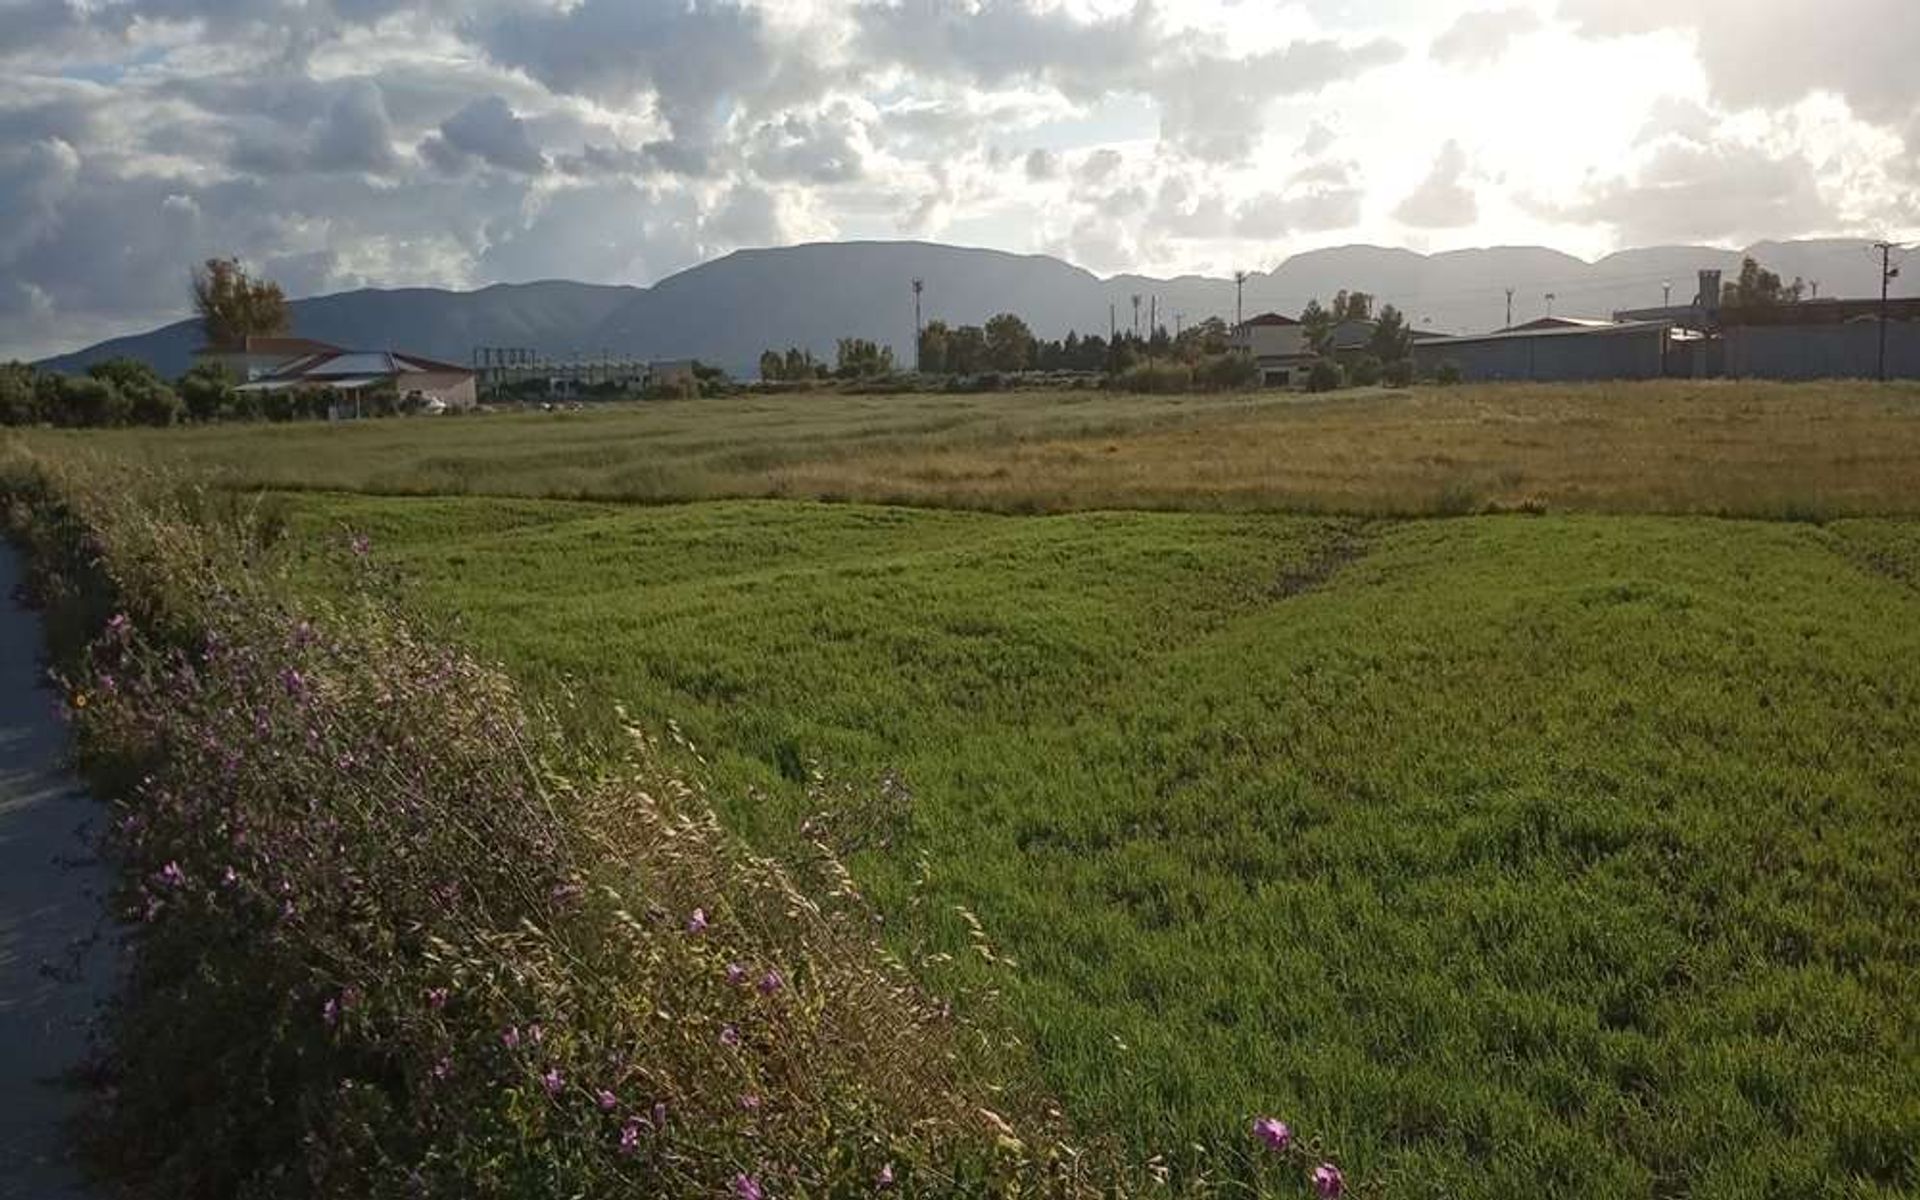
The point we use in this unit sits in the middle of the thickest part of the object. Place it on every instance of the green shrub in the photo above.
(1447, 374)
(1364, 371)
(1155, 377)
(1226, 372)
(1324, 375)
(1398, 373)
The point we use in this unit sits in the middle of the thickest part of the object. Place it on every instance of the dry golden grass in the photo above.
(1738, 448)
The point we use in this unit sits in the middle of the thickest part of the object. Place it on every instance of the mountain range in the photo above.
(728, 310)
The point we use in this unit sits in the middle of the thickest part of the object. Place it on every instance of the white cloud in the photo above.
(340, 142)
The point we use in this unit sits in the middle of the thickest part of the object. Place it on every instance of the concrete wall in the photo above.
(1628, 354)
(1822, 351)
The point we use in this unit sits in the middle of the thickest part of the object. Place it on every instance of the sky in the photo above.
(334, 144)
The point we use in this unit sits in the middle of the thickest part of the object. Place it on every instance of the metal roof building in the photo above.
(1632, 350)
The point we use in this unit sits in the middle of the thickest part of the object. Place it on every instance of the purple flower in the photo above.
(536, 1033)
(771, 982)
(729, 1036)
(553, 1081)
(118, 625)
(885, 1178)
(436, 998)
(172, 875)
(736, 974)
(630, 1135)
(293, 681)
(1328, 1182)
(1273, 1132)
(606, 1100)
(510, 1037)
(750, 1103)
(443, 1068)
(229, 877)
(697, 923)
(330, 1012)
(360, 544)
(746, 1187)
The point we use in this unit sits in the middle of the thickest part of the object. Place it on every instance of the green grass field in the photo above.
(1566, 856)
(1557, 855)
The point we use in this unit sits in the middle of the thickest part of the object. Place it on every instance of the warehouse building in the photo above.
(1630, 350)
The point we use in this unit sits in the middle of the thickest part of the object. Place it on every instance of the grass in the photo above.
(1719, 447)
(1564, 856)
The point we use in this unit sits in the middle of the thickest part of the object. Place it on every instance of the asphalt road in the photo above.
(55, 953)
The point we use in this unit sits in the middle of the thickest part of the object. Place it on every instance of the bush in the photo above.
(1324, 376)
(1226, 372)
(1364, 371)
(1399, 372)
(1155, 377)
(1447, 374)
(207, 391)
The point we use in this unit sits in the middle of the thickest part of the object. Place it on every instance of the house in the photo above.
(1278, 346)
(434, 385)
(258, 357)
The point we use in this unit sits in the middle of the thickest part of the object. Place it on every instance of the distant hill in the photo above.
(730, 309)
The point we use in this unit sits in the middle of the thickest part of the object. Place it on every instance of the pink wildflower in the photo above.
(330, 1012)
(536, 1033)
(606, 1100)
(885, 1178)
(360, 544)
(771, 983)
(1273, 1132)
(172, 875)
(746, 1187)
(729, 1036)
(630, 1135)
(553, 1081)
(736, 974)
(436, 998)
(1328, 1182)
(697, 922)
(510, 1037)
(443, 1068)
(750, 1103)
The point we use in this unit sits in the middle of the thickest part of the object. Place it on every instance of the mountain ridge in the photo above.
(728, 309)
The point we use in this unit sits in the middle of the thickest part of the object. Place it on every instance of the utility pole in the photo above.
(1153, 315)
(1666, 293)
(917, 285)
(1136, 315)
(1509, 324)
(1239, 285)
(1887, 273)
(1816, 289)
(1550, 299)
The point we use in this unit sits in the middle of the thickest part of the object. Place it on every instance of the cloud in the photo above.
(1771, 53)
(819, 149)
(1443, 200)
(1690, 192)
(489, 130)
(1042, 164)
(1479, 38)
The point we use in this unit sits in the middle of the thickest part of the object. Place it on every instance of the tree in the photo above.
(858, 357)
(1319, 326)
(1391, 340)
(772, 366)
(1758, 287)
(1324, 376)
(967, 351)
(19, 401)
(1352, 306)
(800, 365)
(207, 391)
(1009, 343)
(933, 348)
(233, 305)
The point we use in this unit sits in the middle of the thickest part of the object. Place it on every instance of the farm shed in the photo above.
(1635, 350)
(1822, 351)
